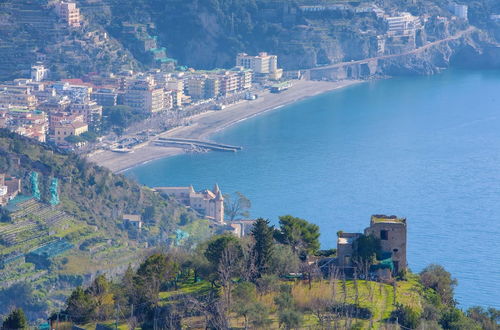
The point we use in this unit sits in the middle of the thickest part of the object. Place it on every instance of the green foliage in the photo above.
(149, 213)
(406, 316)
(245, 304)
(290, 319)
(301, 235)
(455, 319)
(156, 271)
(89, 136)
(367, 248)
(120, 116)
(326, 253)
(73, 139)
(4, 215)
(218, 244)
(89, 193)
(20, 295)
(283, 261)
(489, 319)
(267, 283)
(80, 307)
(437, 278)
(284, 299)
(264, 244)
(15, 320)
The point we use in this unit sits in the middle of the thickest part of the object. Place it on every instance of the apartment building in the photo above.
(69, 13)
(91, 111)
(141, 94)
(64, 129)
(263, 65)
(404, 25)
(177, 88)
(228, 81)
(14, 96)
(107, 97)
(195, 87)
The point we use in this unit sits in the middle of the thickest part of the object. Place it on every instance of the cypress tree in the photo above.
(263, 248)
(15, 320)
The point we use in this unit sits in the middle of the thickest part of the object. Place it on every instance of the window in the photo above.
(384, 235)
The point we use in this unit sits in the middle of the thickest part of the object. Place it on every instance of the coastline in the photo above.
(208, 123)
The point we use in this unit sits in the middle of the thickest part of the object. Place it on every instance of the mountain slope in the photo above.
(52, 248)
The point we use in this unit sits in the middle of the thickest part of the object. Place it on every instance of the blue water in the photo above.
(426, 148)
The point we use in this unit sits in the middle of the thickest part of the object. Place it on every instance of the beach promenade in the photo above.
(206, 124)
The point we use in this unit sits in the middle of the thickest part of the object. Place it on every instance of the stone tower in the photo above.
(391, 231)
(219, 206)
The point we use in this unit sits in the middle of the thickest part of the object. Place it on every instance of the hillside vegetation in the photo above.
(45, 250)
(268, 281)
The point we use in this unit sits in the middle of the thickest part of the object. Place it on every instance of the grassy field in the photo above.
(379, 298)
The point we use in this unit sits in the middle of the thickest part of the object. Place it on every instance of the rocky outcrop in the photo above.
(470, 48)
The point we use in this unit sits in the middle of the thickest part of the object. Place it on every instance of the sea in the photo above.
(425, 148)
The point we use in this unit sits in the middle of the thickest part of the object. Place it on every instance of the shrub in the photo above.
(406, 316)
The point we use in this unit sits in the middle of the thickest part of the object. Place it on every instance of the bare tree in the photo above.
(236, 206)
(229, 265)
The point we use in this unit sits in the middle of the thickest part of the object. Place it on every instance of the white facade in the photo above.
(263, 63)
(404, 25)
(39, 72)
(461, 11)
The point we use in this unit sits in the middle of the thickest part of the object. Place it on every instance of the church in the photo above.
(208, 203)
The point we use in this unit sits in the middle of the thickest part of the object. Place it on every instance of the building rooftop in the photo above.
(132, 217)
(380, 218)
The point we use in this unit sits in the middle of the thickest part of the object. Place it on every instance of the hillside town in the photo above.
(71, 113)
(58, 112)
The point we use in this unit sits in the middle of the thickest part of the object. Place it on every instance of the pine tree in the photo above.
(264, 244)
(15, 320)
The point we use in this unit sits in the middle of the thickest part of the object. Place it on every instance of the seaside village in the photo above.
(69, 112)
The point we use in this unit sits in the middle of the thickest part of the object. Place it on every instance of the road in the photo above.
(415, 51)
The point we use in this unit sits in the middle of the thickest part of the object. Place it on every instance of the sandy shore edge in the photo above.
(206, 124)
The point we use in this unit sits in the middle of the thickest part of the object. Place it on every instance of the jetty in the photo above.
(192, 144)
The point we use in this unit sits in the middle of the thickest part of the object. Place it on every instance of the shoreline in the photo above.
(208, 123)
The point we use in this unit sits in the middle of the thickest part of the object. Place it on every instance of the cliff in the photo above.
(205, 34)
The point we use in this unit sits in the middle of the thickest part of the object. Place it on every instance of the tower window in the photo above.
(384, 235)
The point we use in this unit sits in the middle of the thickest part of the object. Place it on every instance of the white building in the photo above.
(461, 11)
(69, 13)
(39, 72)
(404, 25)
(263, 63)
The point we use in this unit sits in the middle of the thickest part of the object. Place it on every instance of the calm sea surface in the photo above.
(426, 148)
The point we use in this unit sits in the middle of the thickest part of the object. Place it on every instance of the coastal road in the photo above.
(383, 57)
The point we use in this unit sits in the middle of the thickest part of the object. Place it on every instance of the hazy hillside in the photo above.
(204, 33)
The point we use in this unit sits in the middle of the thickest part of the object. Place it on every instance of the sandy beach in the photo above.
(206, 124)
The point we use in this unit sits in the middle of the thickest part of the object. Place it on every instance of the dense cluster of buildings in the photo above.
(9, 188)
(55, 110)
(48, 111)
